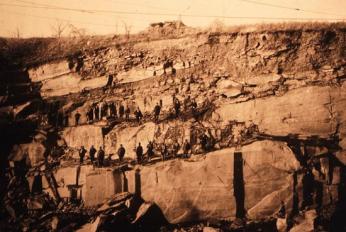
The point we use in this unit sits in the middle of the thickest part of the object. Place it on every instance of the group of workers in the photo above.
(98, 111)
(153, 150)
(104, 110)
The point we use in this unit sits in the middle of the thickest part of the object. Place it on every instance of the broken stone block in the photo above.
(229, 88)
(281, 225)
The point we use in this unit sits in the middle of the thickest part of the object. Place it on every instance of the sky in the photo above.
(40, 18)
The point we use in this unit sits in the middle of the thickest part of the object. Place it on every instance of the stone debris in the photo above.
(218, 132)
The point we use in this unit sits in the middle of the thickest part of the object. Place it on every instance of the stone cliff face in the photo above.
(278, 97)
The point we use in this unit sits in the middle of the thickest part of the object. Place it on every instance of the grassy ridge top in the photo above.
(19, 53)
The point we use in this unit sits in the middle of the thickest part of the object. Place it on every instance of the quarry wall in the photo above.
(279, 96)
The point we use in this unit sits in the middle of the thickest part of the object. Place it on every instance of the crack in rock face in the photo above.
(182, 128)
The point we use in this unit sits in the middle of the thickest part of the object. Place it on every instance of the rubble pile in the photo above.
(219, 131)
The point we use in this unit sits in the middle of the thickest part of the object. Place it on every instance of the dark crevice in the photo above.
(238, 185)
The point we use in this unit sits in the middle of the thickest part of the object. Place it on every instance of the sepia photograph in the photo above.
(172, 115)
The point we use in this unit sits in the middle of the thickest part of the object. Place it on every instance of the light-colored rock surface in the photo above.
(306, 222)
(48, 71)
(66, 176)
(189, 190)
(101, 184)
(70, 83)
(85, 135)
(184, 189)
(302, 111)
(268, 167)
(130, 136)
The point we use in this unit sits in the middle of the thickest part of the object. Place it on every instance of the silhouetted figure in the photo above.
(184, 64)
(92, 152)
(138, 114)
(121, 111)
(164, 152)
(189, 64)
(204, 141)
(97, 112)
(127, 113)
(104, 110)
(82, 153)
(121, 153)
(109, 81)
(90, 115)
(308, 188)
(150, 150)
(139, 153)
(186, 148)
(194, 109)
(176, 147)
(77, 117)
(113, 110)
(157, 110)
(174, 71)
(154, 73)
(176, 107)
(100, 157)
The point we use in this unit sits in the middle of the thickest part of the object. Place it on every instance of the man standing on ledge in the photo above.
(121, 153)
(139, 153)
(82, 153)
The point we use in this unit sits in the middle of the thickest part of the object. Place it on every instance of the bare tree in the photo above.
(127, 29)
(58, 29)
(76, 32)
(17, 33)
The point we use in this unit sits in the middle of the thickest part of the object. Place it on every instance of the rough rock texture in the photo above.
(277, 96)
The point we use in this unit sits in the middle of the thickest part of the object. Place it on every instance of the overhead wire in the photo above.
(61, 19)
(118, 12)
(290, 8)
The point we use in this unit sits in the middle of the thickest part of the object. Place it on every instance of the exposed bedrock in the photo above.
(272, 105)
